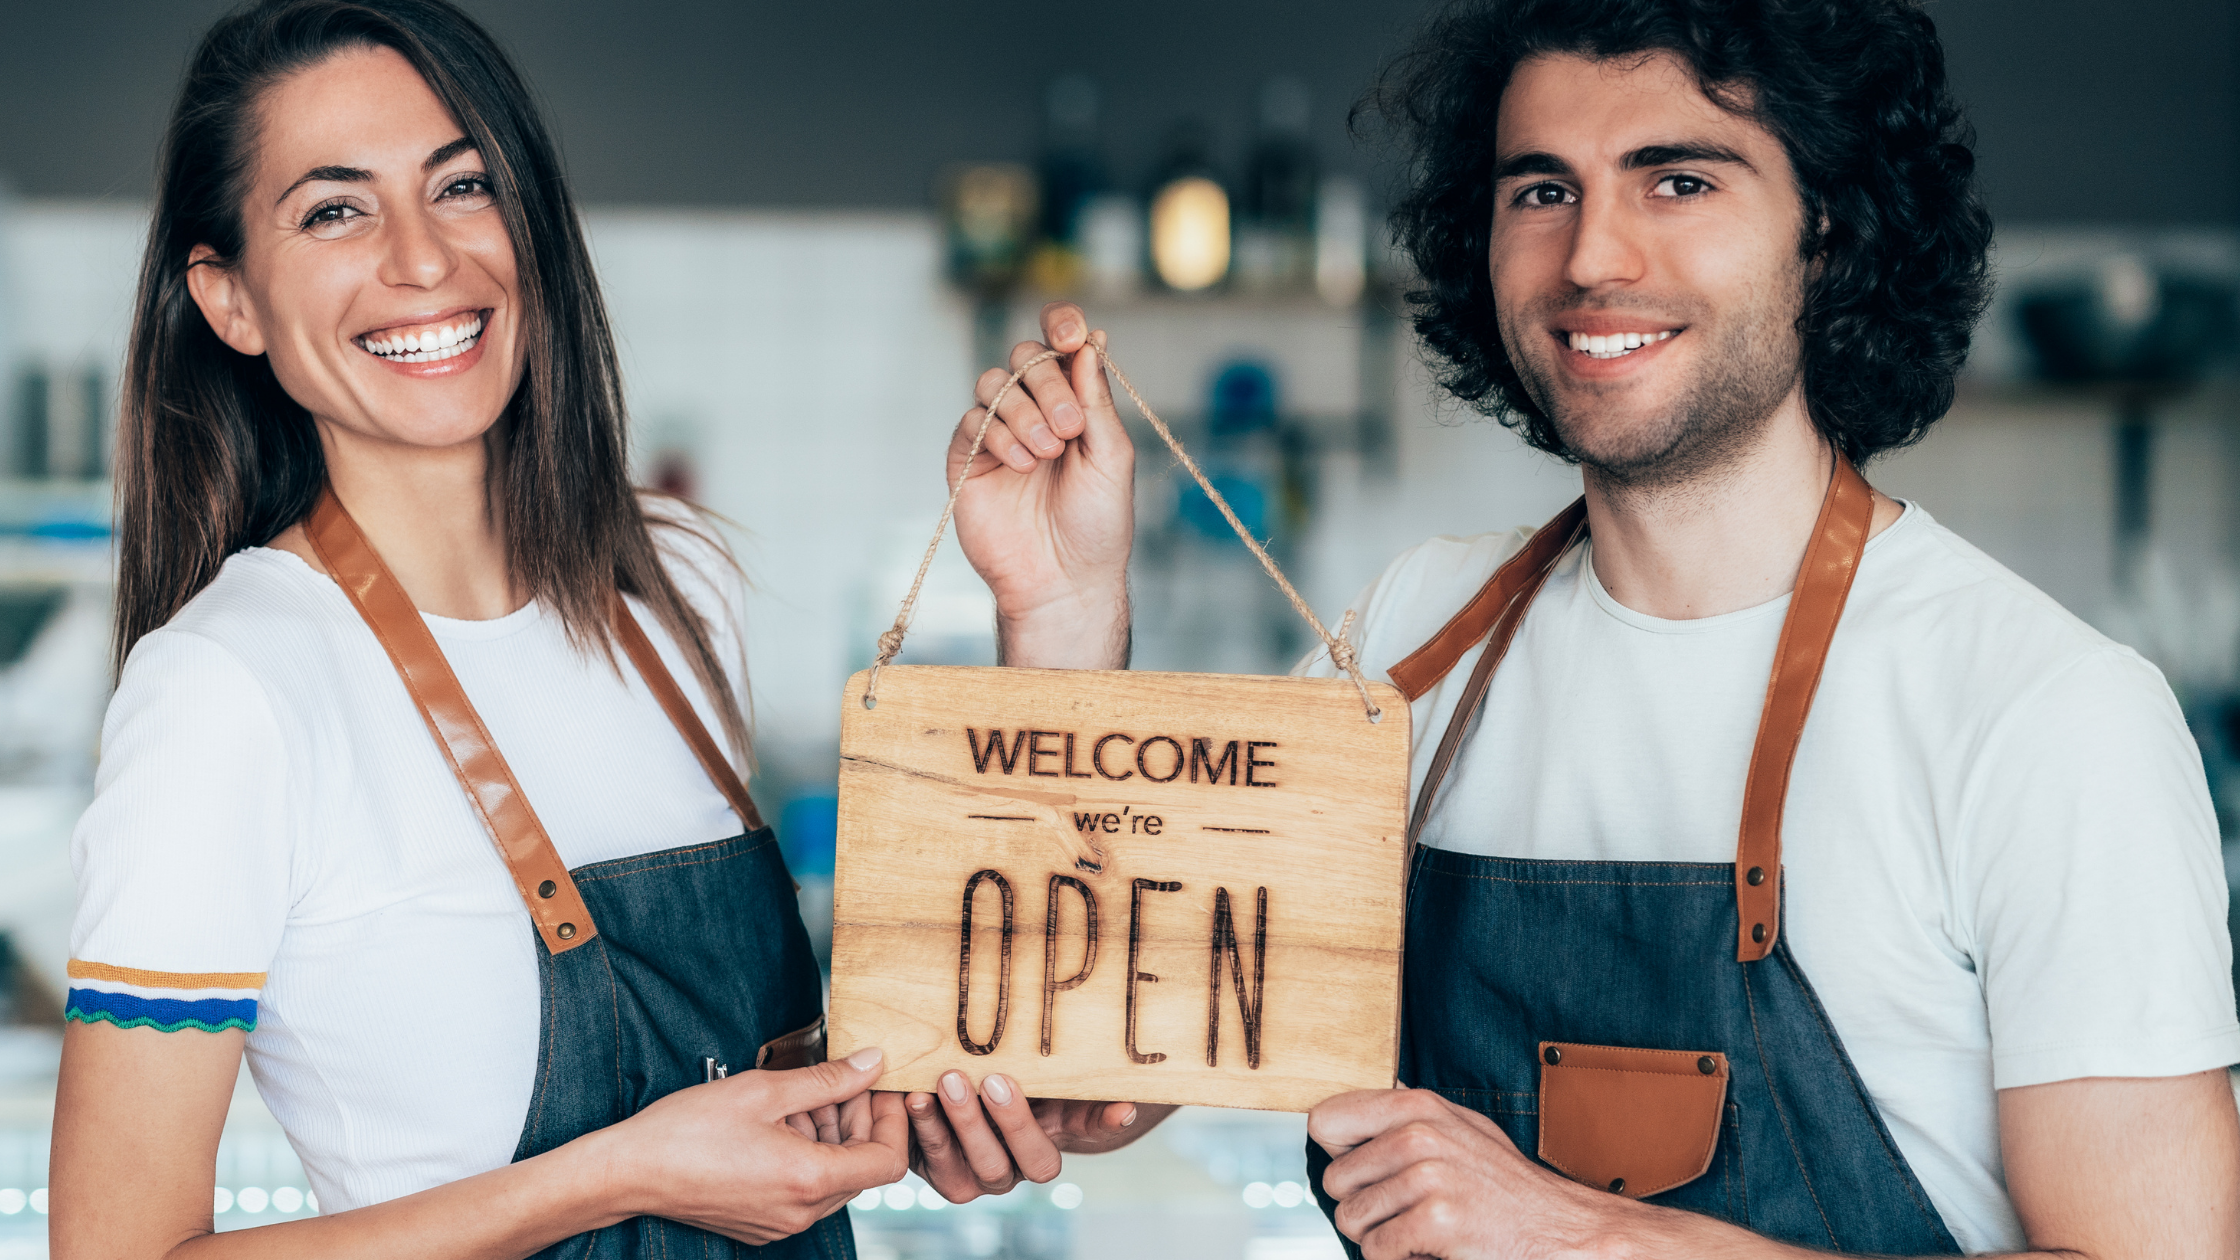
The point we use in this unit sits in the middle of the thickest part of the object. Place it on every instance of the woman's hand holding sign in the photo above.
(969, 1143)
(1047, 515)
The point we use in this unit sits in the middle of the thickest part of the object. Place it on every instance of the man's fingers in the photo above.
(1030, 1149)
(937, 1145)
(1064, 326)
(850, 1170)
(1053, 394)
(1339, 1124)
(1372, 1204)
(827, 1120)
(998, 449)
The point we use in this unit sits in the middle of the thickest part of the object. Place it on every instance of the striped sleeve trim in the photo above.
(80, 969)
(131, 997)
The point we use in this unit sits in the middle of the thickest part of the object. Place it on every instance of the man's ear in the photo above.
(224, 300)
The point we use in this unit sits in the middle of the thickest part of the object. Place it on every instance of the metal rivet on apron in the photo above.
(1758, 933)
(547, 888)
(1757, 876)
(1707, 1065)
(1617, 1185)
(567, 931)
(1552, 1055)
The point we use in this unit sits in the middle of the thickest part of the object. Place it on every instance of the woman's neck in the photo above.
(430, 516)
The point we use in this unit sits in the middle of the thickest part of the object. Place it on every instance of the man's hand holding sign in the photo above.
(1173, 888)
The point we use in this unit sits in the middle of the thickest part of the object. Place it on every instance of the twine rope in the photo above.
(1339, 645)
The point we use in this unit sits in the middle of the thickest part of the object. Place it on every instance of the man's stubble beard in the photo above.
(1742, 379)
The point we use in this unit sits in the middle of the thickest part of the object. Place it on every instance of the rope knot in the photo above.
(890, 644)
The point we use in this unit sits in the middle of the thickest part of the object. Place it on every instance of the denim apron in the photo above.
(1642, 1027)
(658, 971)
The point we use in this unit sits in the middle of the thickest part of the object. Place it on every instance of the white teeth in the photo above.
(426, 347)
(1616, 344)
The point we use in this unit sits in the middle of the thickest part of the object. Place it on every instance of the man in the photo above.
(1798, 866)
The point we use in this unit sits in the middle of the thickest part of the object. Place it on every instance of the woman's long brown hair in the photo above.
(213, 456)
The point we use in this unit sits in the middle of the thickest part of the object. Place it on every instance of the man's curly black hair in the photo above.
(1854, 90)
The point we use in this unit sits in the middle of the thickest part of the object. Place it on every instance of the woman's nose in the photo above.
(418, 256)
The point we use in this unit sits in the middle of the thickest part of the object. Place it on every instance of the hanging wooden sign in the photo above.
(1161, 888)
(1156, 887)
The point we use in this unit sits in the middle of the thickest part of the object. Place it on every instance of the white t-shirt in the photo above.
(2002, 867)
(276, 839)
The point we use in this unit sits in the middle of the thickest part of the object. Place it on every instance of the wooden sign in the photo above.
(1177, 888)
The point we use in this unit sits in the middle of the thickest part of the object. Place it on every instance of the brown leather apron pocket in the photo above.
(797, 1049)
(1633, 1122)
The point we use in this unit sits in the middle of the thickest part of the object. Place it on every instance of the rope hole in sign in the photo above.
(1339, 645)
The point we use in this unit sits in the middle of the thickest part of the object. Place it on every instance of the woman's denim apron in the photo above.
(1594, 1010)
(658, 971)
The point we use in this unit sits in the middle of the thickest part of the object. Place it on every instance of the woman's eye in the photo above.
(331, 213)
(1544, 195)
(467, 186)
(1683, 185)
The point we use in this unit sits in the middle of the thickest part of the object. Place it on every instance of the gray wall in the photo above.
(2089, 112)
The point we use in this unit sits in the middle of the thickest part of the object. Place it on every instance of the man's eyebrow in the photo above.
(1682, 153)
(1530, 164)
(461, 145)
(327, 175)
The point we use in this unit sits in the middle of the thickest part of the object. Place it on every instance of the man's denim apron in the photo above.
(1513, 963)
(651, 966)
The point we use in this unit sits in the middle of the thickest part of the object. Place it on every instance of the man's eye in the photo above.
(1682, 185)
(1544, 195)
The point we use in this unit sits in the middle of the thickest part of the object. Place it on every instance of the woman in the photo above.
(381, 805)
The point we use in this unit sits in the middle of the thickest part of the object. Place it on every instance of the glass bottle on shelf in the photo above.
(1189, 213)
(1275, 238)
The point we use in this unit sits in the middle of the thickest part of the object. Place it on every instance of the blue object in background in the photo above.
(1244, 400)
(1245, 497)
(805, 834)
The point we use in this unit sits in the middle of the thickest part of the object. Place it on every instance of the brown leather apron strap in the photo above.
(1831, 561)
(664, 687)
(557, 909)
(1509, 593)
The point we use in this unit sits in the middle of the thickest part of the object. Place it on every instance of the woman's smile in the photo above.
(444, 345)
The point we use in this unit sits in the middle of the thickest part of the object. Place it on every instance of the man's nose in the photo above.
(1606, 246)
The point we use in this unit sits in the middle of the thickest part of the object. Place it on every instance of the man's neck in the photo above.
(1727, 539)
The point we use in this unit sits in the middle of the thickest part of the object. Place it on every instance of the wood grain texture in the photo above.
(1170, 801)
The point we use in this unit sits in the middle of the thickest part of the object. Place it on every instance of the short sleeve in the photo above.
(184, 858)
(2091, 874)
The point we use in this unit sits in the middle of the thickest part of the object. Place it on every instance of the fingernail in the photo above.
(1128, 1119)
(999, 1089)
(919, 1102)
(867, 1058)
(952, 1086)
(1022, 460)
(1067, 331)
(1042, 439)
(1067, 415)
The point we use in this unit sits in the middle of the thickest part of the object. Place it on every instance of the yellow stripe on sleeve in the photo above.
(82, 970)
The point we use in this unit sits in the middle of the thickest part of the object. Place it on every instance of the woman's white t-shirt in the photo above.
(2001, 864)
(275, 840)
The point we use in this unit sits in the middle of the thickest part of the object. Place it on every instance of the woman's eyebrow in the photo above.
(327, 175)
(359, 175)
(461, 145)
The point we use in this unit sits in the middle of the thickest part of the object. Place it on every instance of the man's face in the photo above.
(1645, 264)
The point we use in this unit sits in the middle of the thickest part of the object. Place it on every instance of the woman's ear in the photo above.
(224, 300)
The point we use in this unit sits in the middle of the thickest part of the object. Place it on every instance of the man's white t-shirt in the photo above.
(2002, 866)
(275, 836)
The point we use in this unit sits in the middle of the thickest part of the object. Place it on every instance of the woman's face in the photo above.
(376, 273)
